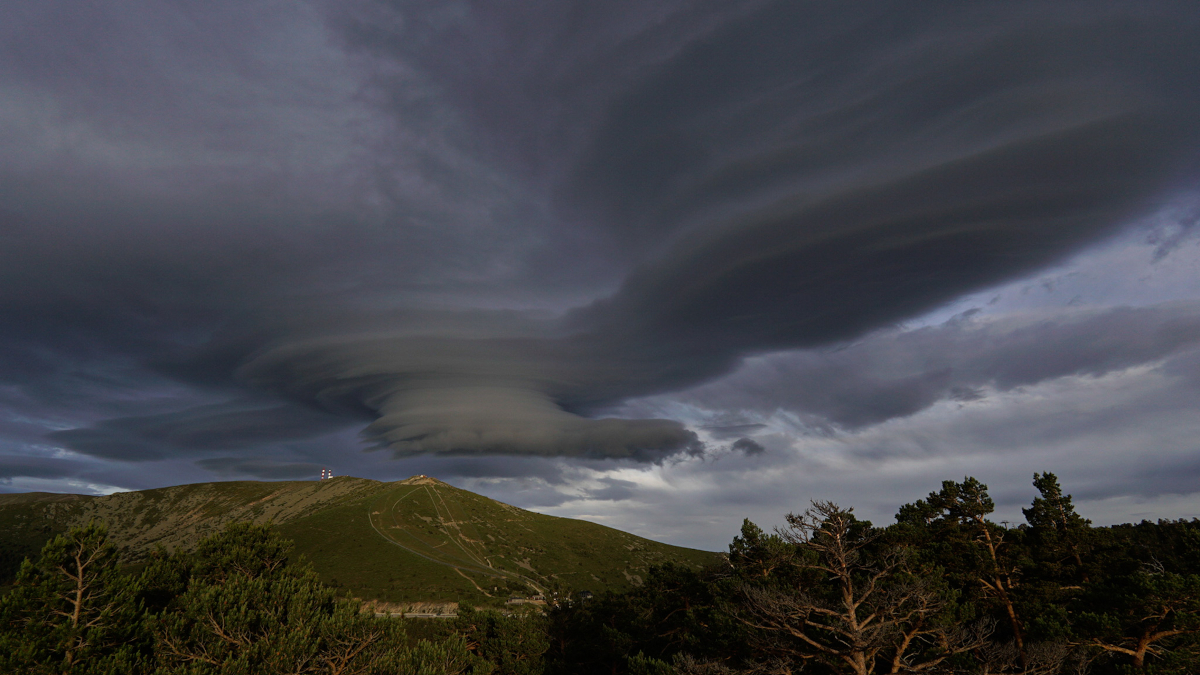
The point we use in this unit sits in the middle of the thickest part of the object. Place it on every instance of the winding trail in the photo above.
(491, 572)
(476, 565)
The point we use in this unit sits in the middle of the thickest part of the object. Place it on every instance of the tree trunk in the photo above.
(858, 663)
(999, 579)
(1139, 654)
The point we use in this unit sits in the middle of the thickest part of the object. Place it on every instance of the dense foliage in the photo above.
(943, 590)
(236, 605)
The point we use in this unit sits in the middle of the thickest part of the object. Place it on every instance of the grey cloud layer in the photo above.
(480, 227)
(209, 428)
(899, 373)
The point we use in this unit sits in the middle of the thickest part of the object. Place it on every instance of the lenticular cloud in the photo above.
(473, 229)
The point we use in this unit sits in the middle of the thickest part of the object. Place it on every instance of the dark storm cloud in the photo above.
(200, 429)
(794, 192)
(483, 227)
(35, 467)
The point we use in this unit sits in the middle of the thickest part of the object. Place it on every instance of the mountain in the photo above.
(416, 540)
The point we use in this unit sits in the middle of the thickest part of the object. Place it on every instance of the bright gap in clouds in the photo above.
(1154, 260)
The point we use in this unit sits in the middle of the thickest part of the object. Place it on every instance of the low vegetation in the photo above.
(943, 590)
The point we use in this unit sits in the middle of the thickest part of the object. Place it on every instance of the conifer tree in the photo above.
(755, 554)
(1152, 614)
(1058, 533)
(246, 610)
(71, 612)
(513, 645)
(858, 605)
(959, 512)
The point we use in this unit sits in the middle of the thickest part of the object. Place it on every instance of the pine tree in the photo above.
(858, 606)
(1150, 614)
(1058, 534)
(72, 612)
(513, 645)
(247, 610)
(756, 555)
(958, 514)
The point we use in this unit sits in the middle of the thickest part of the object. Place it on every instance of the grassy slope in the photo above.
(416, 540)
(26, 524)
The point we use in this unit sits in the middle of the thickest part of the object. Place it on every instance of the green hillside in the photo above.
(418, 540)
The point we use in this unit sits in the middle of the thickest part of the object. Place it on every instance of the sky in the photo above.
(660, 265)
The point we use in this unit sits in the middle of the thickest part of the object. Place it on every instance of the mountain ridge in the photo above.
(415, 540)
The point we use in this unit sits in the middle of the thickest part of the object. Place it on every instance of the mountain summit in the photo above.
(418, 539)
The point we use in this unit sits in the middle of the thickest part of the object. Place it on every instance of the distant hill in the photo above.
(414, 540)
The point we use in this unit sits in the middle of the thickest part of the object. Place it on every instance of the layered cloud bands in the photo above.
(895, 374)
(475, 229)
